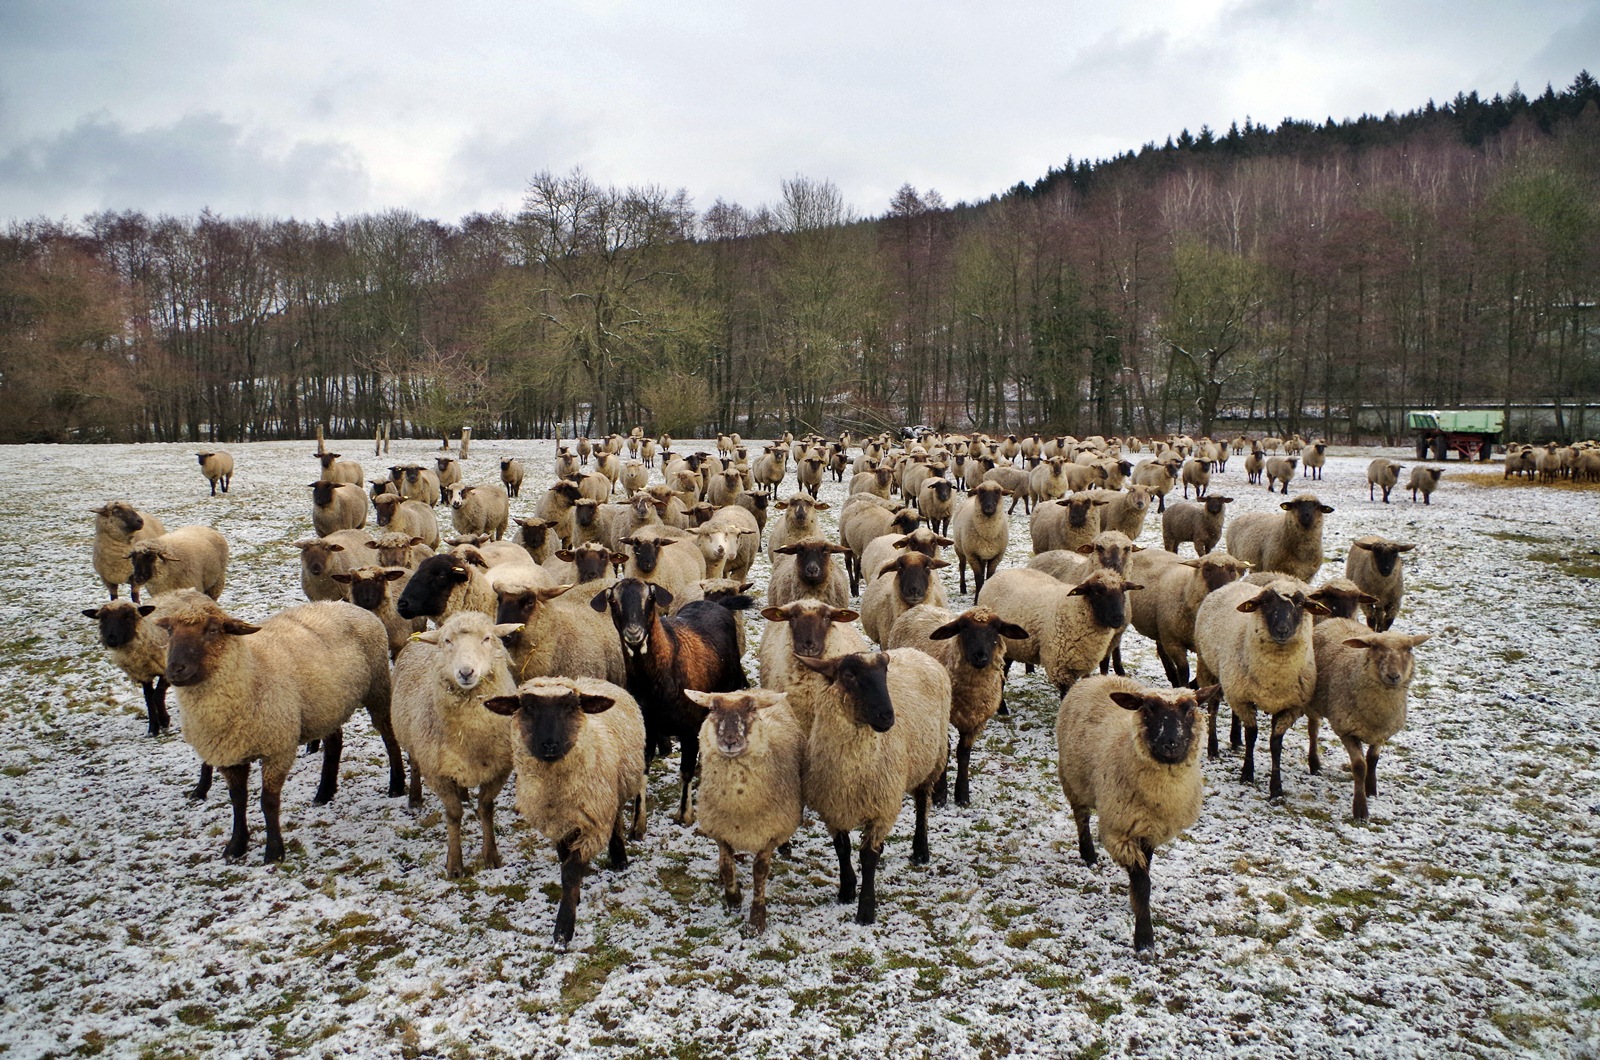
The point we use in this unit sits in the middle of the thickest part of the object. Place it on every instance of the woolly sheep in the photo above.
(1279, 469)
(261, 692)
(118, 525)
(558, 637)
(534, 536)
(980, 532)
(190, 557)
(1382, 474)
(453, 744)
(448, 471)
(343, 471)
(337, 506)
(797, 522)
(1425, 479)
(1068, 523)
(414, 482)
(138, 647)
(1160, 475)
(217, 467)
(878, 724)
(399, 550)
(903, 583)
(1165, 611)
(1197, 522)
(1362, 682)
(322, 557)
(1289, 544)
(1069, 628)
(479, 510)
(578, 750)
(1130, 755)
(372, 588)
(936, 501)
(511, 475)
(804, 569)
(881, 550)
(720, 544)
(750, 796)
(413, 518)
(1312, 459)
(1254, 464)
(1196, 473)
(860, 524)
(737, 519)
(444, 584)
(1374, 564)
(1125, 514)
(656, 556)
(1048, 481)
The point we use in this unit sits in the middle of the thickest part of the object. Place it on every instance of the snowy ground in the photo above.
(1463, 919)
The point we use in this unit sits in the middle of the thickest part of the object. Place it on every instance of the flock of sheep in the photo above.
(574, 645)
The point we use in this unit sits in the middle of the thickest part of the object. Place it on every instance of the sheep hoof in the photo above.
(757, 924)
(733, 901)
(454, 871)
(274, 851)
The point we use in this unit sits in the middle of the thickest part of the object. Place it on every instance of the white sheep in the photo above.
(1425, 479)
(1067, 523)
(1289, 544)
(797, 521)
(190, 557)
(479, 510)
(1130, 755)
(138, 647)
(336, 470)
(579, 756)
(1279, 469)
(1375, 565)
(118, 525)
(1174, 590)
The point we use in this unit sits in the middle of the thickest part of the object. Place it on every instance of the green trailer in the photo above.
(1470, 432)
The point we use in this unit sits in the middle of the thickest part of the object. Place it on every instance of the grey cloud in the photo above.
(490, 168)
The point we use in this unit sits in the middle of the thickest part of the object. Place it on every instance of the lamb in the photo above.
(479, 510)
(936, 502)
(1279, 469)
(217, 467)
(877, 733)
(190, 557)
(260, 692)
(558, 637)
(337, 506)
(806, 569)
(579, 753)
(861, 523)
(322, 557)
(1129, 753)
(657, 556)
(1068, 523)
(1196, 473)
(1126, 511)
(1165, 611)
(902, 584)
(1312, 459)
(413, 518)
(441, 681)
(1254, 464)
(981, 533)
(971, 648)
(635, 477)
(1425, 479)
(443, 585)
(750, 795)
(797, 523)
(1381, 474)
(118, 526)
(1362, 681)
(511, 475)
(1069, 628)
(1290, 544)
(1195, 522)
(1256, 642)
(1374, 564)
(139, 649)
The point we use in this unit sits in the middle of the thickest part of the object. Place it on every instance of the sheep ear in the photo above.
(1080, 589)
(893, 566)
(619, 558)
(342, 578)
(1366, 598)
(661, 595)
(821, 506)
(427, 637)
(705, 699)
(601, 601)
(237, 628)
(564, 554)
(1128, 700)
(1085, 550)
(1129, 587)
(369, 544)
(828, 668)
(1097, 501)
(1010, 631)
(1413, 640)
(1314, 608)
(335, 548)
(1324, 509)
(1250, 606)
(781, 505)
(938, 564)
(843, 614)
(91, 612)
(1286, 505)
(553, 591)
(774, 614)
(786, 550)
(946, 631)
(1404, 548)
(1209, 694)
(1226, 500)
(745, 531)
(391, 574)
(1358, 642)
(504, 705)
(833, 549)
(594, 704)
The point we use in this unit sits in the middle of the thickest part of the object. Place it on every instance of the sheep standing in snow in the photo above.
(1425, 479)
(981, 533)
(1069, 628)
(138, 647)
(1382, 474)
(190, 557)
(118, 526)
(217, 467)
(1198, 522)
(1374, 564)
(1289, 544)
(337, 506)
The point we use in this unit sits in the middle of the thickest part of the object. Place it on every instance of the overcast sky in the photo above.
(315, 109)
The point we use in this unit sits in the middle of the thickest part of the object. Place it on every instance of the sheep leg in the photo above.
(414, 788)
(1080, 814)
(961, 565)
(202, 786)
(567, 910)
(1358, 776)
(450, 794)
(617, 850)
(238, 778)
(964, 742)
(758, 899)
(391, 747)
(1372, 770)
(1212, 751)
(919, 838)
(686, 767)
(638, 817)
(728, 874)
(847, 872)
(867, 905)
(487, 793)
(1116, 657)
(1233, 733)
(1247, 772)
(271, 799)
(1144, 932)
(1275, 747)
(1314, 755)
(332, 747)
(1171, 668)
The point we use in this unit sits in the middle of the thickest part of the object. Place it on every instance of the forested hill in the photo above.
(1281, 277)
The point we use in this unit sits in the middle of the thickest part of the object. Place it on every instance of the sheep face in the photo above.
(470, 647)
(413, 473)
(1214, 504)
(1105, 593)
(119, 621)
(982, 634)
(394, 550)
(645, 507)
(801, 510)
(144, 557)
(924, 541)
(322, 493)
(863, 682)
(591, 560)
(533, 534)
(549, 717)
(429, 589)
(454, 494)
(197, 641)
(369, 586)
(1341, 598)
(988, 495)
(1306, 510)
(906, 520)
(203, 457)
(386, 506)
(583, 513)
(1388, 660)
(646, 552)
(1281, 614)
(1385, 554)
(913, 575)
(1218, 569)
(809, 621)
(941, 489)
(1110, 550)
(1167, 721)
(316, 555)
(121, 514)
(812, 560)
(732, 717)
(444, 463)
(633, 604)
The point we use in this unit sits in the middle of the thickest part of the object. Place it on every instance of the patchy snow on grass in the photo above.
(1463, 918)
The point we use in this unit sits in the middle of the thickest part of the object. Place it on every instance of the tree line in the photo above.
(1283, 277)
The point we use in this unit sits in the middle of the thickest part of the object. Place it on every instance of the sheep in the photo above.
(1067, 523)
(343, 471)
(936, 501)
(1069, 628)
(720, 545)
(1312, 459)
(478, 510)
(861, 523)
(444, 584)
(716, 590)
(665, 655)
(413, 518)
(881, 550)
(971, 648)
(118, 525)
(1254, 464)
(1290, 544)
(737, 519)
(381, 486)
(797, 522)
(657, 556)
(369, 588)
(725, 487)
(1374, 564)
(260, 692)
(1126, 511)
(1256, 642)
(586, 564)
(808, 473)
(558, 636)
(980, 532)
(1160, 475)
(322, 557)
(441, 681)
(609, 465)
(1047, 481)
(1087, 476)
(399, 550)
(534, 536)
(190, 557)
(217, 467)
(1165, 611)
(805, 569)
(878, 724)
(1195, 522)
(768, 469)
(1196, 473)
(808, 628)
(1425, 479)
(1110, 550)
(1279, 469)
(1342, 598)
(1585, 468)
(1362, 681)
(448, 473)
(1129, 754)
(511, 475)
(337, 506)
(750, 795)
(139, 649)
(579, 753)
(1381, 474)
(901, 584)
(414, 482)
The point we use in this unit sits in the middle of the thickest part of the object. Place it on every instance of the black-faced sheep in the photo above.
(118, 526)
(1289, 544)
(1375, 565)
(190, 557)
(1198, 522)
(981, 533)
(217, 467)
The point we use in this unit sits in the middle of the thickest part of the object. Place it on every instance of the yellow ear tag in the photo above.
(415, 636)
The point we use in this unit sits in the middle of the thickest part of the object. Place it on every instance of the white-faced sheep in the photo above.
(750, 796)
(217, 467)
(398, 550)
(322, 557)
(1165, 611)
(479, 510)
(1362, 682)
(453, 744)
(720, 544)
(1382, 474)
(579, 755)
(413, 518)
(261, 692)
(1069, 629)
(877, 733)
(981, 533)
(1130, 755)
(118, 525)
(1425, 479)
(971, 648)
(1197, 522)
(190, 557)
(1374, 564)
(1290, 543)
(337, 506)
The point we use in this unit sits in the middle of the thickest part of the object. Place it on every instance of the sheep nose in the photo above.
(466, 677)
(549, 750)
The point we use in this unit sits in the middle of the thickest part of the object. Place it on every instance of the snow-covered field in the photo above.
(1464, 918)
